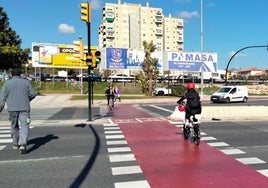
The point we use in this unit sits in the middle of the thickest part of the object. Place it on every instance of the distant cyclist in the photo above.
(193, 103)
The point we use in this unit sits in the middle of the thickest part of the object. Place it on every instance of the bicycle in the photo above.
(192, 129)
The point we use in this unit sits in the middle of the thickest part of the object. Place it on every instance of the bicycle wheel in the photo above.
(197, 135)
(186, 132)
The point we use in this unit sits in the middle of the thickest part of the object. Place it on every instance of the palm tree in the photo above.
(149, 67)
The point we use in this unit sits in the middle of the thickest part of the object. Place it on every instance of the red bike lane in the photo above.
(167, 160)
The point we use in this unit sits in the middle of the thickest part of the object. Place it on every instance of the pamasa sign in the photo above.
(192, 61)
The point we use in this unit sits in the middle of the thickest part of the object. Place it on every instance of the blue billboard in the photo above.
(116, 58)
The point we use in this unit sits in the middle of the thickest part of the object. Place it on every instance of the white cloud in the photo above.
(95, 4)
(65, 28)
(188, 15)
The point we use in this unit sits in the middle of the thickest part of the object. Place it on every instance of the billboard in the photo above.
(191, 61)
(120, 58)
(56, 56)
(116, 58)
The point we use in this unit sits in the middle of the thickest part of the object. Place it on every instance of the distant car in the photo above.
(161, 91)
(94, 77)
(230, 94)
(121, 78)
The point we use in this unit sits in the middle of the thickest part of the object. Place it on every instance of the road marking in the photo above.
(113, 132)
(122, 157)
(116, 142)
(5, 131)
(4, 135)
(160, 108)
(132, 184)
(41, 159)
(250, 160)
(114, 136)
(6, 141)
(1, 128)
(126, 170)
(138, 120)
(119, 149)
(264, 172)
(208, 138)
(218, 144)
(232, 151)
(110, 124)
(111, 128)
(2, 147)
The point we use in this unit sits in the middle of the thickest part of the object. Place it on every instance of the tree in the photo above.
(11, 54)
(149, 67)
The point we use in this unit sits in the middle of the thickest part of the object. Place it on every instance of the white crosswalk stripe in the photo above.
(120, 152)
(5, 136)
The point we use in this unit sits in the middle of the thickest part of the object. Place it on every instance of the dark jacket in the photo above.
(189, 95)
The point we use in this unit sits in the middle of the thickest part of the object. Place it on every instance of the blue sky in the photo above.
(228, 25)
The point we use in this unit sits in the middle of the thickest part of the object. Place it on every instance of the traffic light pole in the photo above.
(89, 80)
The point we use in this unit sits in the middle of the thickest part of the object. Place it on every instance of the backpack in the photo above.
(193, 100)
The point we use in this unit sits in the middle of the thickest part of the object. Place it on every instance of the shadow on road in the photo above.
(37, 142)
(85, 171)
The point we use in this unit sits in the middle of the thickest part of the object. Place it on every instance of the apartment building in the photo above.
(126, 25)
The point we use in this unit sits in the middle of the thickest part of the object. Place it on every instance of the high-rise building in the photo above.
(128, 25)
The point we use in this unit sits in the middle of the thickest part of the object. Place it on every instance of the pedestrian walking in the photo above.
(109, 92)
(117, 92)
(17, 93)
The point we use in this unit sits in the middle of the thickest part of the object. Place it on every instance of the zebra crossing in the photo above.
(228, 150)
(5, 137)
(119, 152)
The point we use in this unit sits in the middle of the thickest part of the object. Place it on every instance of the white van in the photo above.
(230, 94)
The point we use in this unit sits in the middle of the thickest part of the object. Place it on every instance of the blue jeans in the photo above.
(19, 126)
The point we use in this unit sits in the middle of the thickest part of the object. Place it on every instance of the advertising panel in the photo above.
(116, 58)
(56, 56)
(191, 61)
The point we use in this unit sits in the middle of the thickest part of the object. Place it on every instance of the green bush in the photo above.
(178, 90)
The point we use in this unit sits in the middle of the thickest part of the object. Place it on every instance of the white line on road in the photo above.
(132, 184)
(122, 157)
(119, 149)
(41, 159)
(126, 170)
(232, 151)
(160, 108)
(264, 172)
(4, 135)
(250, 160)
(116, 142)
(218, 144)
(114, 136)
(6, 141)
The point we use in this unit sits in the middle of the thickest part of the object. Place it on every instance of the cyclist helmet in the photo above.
(190, 85)
(181, 108)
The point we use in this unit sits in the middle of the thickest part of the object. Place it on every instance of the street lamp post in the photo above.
(201, 48)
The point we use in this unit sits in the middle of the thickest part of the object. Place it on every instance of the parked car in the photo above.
(161, 91)
(120, 78)
(94, 77)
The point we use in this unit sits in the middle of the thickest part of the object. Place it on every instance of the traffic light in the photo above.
(85, 12)
(96, 58)
(79, 49)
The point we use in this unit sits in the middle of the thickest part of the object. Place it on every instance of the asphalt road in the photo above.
(76, 154)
